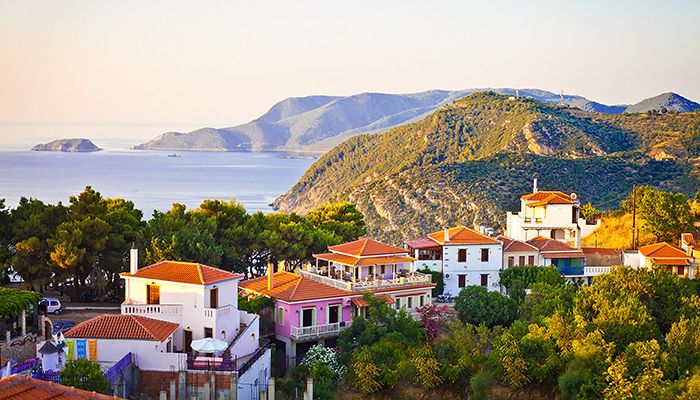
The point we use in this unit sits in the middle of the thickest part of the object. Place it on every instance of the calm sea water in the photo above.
(151, 179)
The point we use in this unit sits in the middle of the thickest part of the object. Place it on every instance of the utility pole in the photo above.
(634, 217)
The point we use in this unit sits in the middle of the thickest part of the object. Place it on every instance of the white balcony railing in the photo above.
(315, 331)
(595, 271)
(156, 310)
(413, 278)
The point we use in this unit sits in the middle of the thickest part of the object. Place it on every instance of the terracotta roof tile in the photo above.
(553, 254)
(548, 197)
(122, 326)
(461, 235)
(26, 388)
(512, 245)
(662, 250)
(423, 243)
(184, 272)
(292, 287)
(366, 247)
(356, 261)
(360, 301)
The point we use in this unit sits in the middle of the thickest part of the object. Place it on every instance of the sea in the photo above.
(153, 180)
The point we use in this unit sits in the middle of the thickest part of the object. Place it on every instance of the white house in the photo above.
(519, 253)
(168, 305)
(662, 254)
(463, 255)
(550, 214)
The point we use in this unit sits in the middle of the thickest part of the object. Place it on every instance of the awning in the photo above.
(384, 260)
(671, 261)
(337, 258)
(360, 301)
(423, 244)
(560, 254)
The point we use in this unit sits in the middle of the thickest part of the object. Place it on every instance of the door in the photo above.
(187, 340)
(214, 298)
(307, 317)
(153, 295)
(333, 314)
(462, 280)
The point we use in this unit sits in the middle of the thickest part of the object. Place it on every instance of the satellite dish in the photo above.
(574, 196)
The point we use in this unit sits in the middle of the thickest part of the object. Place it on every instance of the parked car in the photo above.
(50, 305)
(62, 326)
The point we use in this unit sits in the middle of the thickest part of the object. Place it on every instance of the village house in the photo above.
(167, 306)
(463, 255)
(661, 254)
(550, 214)
(314, 304)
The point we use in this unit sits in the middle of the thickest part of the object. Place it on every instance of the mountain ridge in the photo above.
(318, 123)
(469, 162)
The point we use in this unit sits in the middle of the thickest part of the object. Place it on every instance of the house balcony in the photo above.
(368, 284)
(595, 271)
(170, 312)
(571, 271)
(316, 331)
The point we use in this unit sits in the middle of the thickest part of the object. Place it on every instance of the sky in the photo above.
(179, 65)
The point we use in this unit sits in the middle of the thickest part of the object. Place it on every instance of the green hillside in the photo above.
(471, 160)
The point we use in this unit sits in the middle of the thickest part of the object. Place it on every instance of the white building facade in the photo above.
(464, 256)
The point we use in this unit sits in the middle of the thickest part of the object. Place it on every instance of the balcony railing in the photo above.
(413, 278)
(595, 271)
(152, 309)
(316, 331)
(570, 271)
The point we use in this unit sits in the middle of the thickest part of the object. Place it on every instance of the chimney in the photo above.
(270, 274)
(133, 259)
(534, 185)
(447, 235)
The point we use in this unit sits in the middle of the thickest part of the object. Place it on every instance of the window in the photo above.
(521, 260)
(484, 255)
(531, 260)
(511, 261)
(382, 269)
(398, 303)
(462, 255)
(461, 280)
(214, 298)
(153, 294)
(421, 301)
(308, 317)
(333, 314)
(410, 302)
(484, 280)
(680, 270)
(169, 346)
(208, 332)
(280, 316)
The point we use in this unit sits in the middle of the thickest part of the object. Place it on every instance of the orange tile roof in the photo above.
(575, 254)
(547, 195)
(366, 247)
(18, 387)
(461, 235)
(512, 245)
(361, 302)
(662, 250)
(183, 272)
(671, 261)
(423, 243)
(292, 287)
(123, 326)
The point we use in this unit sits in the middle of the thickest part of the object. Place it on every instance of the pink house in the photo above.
(313, 305)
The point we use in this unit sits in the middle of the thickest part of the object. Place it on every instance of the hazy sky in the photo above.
(187, 64)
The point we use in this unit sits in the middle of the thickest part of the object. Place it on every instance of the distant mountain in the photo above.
(317, 123)
(470, 161)
(68, 145)
(669, 101)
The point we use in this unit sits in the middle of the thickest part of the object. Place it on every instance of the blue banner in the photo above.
(81, 347)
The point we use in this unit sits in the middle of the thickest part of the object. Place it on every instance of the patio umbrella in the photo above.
(209, 345)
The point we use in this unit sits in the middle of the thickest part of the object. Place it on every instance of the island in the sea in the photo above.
(68, 145)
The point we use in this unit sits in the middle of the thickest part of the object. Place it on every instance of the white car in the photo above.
(52, 305)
